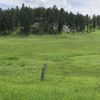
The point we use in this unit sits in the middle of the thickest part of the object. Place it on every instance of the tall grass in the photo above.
(73, 71)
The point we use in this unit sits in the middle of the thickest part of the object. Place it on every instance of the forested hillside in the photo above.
(44, 20)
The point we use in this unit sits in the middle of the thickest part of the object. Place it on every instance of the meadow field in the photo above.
(73, 67)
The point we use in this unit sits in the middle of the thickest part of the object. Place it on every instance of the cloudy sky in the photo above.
(83, 6)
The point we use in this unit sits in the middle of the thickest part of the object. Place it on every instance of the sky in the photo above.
(83, 6)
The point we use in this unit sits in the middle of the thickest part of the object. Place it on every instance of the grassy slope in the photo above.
(73, 71)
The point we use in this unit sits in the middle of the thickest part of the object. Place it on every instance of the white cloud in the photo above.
(11, 3)
(34, 3)
(84, 6)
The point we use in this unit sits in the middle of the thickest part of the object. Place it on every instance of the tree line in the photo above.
(44, 20)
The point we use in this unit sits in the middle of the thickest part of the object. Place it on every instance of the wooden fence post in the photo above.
(43, 72)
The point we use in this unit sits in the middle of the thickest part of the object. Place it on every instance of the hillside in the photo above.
(73, 67)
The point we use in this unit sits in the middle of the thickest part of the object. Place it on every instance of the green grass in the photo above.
(73, 71)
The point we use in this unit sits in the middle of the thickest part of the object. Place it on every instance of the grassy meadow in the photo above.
(73, 67)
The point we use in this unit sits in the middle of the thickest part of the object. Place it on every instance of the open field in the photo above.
(73, 71)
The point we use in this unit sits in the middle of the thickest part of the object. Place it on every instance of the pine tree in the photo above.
(61, 20)
(98, 21)
(25, 19)
(94, 22)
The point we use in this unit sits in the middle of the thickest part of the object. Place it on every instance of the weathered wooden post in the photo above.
(43, 72)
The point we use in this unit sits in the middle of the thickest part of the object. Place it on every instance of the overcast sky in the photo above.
(83, 6)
